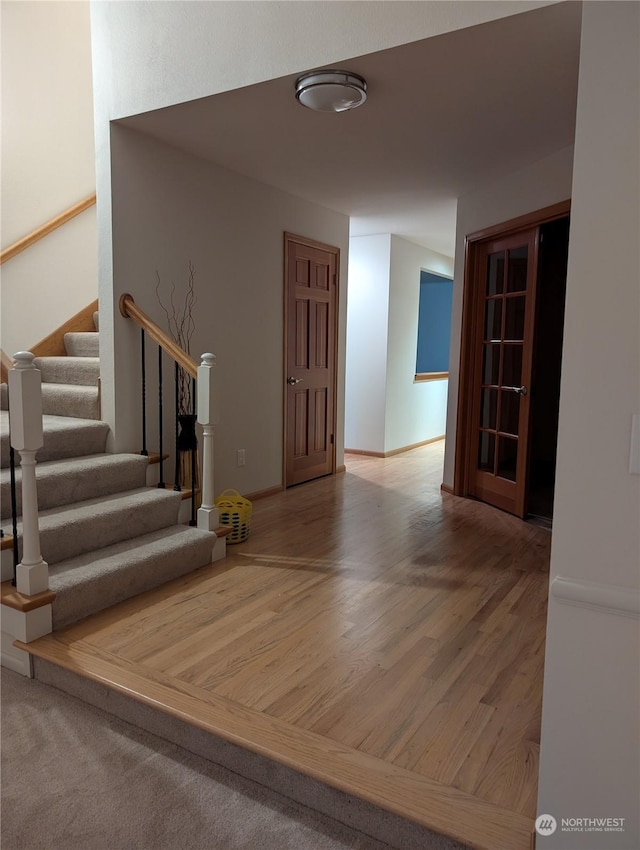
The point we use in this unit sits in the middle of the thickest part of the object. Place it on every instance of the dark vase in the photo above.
(187, 439)
(189, 467)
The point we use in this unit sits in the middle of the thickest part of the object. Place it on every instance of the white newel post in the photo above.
(25, 418)
(207, 512)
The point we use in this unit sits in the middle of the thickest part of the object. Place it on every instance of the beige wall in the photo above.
(591, 710)
(47, 165)
(170, 208)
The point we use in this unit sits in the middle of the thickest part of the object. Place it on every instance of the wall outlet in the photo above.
(240, 457)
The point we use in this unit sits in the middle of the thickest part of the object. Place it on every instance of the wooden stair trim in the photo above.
(154, 457)
(6, 542)
(186, 492)
(223, 530)
(20, 602)
(53, 344)
(413, 797)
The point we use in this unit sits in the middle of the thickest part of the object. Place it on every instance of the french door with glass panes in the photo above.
(504, 326)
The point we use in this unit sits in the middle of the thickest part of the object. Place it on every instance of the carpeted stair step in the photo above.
(82, 344)
(93, 524)
(70, 400)
(63, 482)
(69, 370)
(91, 582)
(64, 437)
(4, 397)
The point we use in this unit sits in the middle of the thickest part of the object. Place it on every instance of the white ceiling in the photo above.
(443, 116)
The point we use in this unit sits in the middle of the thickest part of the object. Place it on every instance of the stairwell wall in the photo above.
(47, 166)
(169, 208)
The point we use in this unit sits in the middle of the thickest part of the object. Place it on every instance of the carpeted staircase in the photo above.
(105, 535)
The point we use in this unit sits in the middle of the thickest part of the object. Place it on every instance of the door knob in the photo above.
(519, 390)
(293, 381)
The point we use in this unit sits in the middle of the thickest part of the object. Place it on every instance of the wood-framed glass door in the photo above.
(504, 325)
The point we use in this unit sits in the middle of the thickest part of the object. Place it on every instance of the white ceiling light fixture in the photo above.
(331, 91)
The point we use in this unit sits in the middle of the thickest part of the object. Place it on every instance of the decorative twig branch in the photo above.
(181, 325)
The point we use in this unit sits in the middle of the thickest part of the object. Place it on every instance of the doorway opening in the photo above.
(547, 366)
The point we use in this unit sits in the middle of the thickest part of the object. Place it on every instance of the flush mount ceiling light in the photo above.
(331, 91)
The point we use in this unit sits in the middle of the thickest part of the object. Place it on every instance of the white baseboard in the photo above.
(622, 601)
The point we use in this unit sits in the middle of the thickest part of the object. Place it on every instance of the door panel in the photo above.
(505, 317)
(310, 332)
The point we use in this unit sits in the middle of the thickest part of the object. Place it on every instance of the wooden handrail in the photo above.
(47, 228)
(130, 310)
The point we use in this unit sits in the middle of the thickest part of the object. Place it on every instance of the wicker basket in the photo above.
(234, 511)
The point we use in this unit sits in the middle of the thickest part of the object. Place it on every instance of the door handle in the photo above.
(519, 390)
(293, 381)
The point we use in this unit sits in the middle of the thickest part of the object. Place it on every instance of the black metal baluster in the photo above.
(193, 456)
(144, 395)
(176, 480)
(14, 511)
(161, 484)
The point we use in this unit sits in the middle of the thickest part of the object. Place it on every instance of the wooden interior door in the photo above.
(504, 325)
(310, 358)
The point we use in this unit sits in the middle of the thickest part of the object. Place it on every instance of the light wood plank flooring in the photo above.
(372, 632)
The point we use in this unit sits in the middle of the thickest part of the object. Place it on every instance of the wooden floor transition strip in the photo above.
(416, 798)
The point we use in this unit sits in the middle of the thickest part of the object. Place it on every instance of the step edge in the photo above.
(58, 566)
(183, 706)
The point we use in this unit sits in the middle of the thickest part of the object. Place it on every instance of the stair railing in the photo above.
(202, 398)
(31, 575)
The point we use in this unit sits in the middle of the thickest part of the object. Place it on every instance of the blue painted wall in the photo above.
(434, 323)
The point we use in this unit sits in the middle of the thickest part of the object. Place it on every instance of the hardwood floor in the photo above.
(372, 632)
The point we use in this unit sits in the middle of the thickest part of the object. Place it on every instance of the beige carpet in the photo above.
(75, 778)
